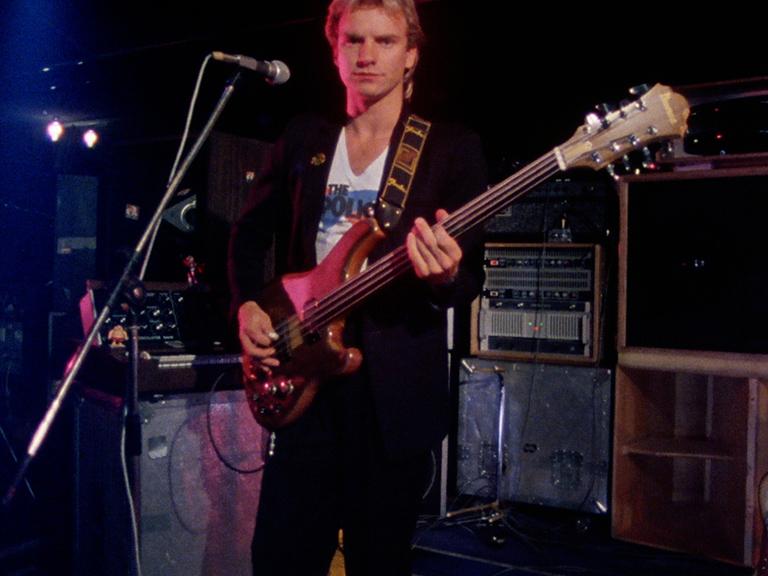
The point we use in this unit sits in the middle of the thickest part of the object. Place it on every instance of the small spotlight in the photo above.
(55, 130)
(90, 138)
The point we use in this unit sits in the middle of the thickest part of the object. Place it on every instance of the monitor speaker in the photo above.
(199, 478)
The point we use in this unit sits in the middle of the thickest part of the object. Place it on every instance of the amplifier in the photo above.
(181, 341)
(539, 302)
(173, 318)
(199, 478)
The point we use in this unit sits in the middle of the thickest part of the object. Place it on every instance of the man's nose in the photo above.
(367, 53)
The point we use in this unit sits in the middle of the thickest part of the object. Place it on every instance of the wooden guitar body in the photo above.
(310, 346)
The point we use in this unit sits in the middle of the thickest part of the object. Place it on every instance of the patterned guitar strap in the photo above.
(392, 198)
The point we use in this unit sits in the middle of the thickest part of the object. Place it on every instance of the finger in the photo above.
(438, 246)
(434, 258)
(259, 354)
(254, 349)
(425, 263)
(252, 364)
(257, 326)
(446, 263)
(252, 315)
(438, 241)
(448, 245)
(420, 267)
(258, 336)
(423, 232)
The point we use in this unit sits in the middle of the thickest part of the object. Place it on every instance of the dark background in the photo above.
(521, 74)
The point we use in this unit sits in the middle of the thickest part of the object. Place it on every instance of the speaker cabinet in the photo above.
(692, 264)
(199, 479)
(555, 433)
(75, 259)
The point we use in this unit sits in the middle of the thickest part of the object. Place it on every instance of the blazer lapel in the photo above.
(309, 207)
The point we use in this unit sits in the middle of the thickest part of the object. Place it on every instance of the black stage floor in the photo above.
(536, 541)
(524, 543)
(524, 540)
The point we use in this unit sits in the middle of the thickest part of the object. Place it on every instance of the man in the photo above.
(359, 458)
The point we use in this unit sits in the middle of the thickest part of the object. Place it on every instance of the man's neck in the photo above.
(375, 120)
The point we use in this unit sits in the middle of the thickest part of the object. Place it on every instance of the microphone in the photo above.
(276, 72)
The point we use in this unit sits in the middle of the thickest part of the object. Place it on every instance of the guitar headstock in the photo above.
(659, 114)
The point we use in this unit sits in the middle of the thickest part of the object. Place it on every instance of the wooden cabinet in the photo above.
(691, 407)
(686, 455)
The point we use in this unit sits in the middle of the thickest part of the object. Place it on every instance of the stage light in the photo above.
(55, 130)
(90, 137)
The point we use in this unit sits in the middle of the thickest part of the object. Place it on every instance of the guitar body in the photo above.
(310, 348)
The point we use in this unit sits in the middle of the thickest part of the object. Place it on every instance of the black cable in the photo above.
(431, 483)
(215, 447)
(171, 491)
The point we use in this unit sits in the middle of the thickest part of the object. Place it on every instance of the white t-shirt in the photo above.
(347, 196)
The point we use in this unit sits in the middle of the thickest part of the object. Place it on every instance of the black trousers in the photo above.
(330, 471)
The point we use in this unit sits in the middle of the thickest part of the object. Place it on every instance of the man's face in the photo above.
(372, 53)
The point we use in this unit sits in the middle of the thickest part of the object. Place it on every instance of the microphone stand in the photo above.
(491, 513)
(74, 365)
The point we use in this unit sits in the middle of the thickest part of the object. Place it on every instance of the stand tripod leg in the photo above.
(496, 504)
(12, 452)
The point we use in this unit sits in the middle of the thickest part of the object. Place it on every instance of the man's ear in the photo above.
(411, 58)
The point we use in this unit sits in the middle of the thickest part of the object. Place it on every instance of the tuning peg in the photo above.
(623, 105)
(611, 171)
(594, 122)
(648, 161)
(605, 108)
(639, 90)
(626, 163)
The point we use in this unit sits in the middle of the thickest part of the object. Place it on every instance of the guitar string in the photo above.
(482, 207)
(388, 268)
(385, 270)
(464, 219)
(347, 295)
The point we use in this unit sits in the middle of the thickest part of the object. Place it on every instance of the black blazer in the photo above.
(401, 331)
